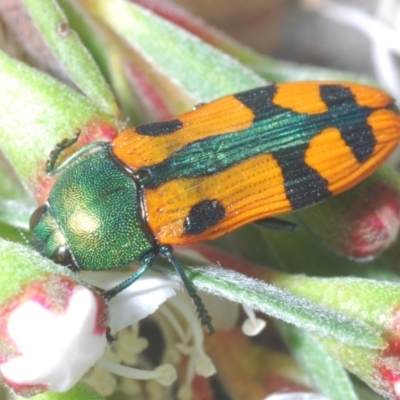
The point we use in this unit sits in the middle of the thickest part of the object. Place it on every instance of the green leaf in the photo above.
(284, 71)
(91, 37)
(70, 52)
(269, 68)
(283, 305)
(11, 187)
(15, 213)
(372, 301)
(20, 265)
(78, 392)
(36, 111)
(8, 232)
(16, 205)
(200, 70)
(327, 375)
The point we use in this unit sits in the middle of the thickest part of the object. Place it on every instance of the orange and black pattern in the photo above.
(259, 153)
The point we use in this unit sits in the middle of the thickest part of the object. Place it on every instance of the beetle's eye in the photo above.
(63, 256)
(36, 216)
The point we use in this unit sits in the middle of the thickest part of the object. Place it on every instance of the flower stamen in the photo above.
(253, 325)
(164, 374)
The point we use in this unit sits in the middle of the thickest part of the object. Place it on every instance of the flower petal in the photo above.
(136, 301)
(56, 350)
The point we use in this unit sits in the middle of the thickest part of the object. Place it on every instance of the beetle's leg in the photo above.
(147, 262)
(277, 224)
(109, 336)
(51, 167)
(200, 308)
(198, 105)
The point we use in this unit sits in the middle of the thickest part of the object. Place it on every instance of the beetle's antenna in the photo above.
(200, 307)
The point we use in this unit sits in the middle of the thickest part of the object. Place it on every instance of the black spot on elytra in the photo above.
(335, 95)
(361, 140)
(302, 182)
(160, 128)
(258, 100)
(358, 134)
(203, 215)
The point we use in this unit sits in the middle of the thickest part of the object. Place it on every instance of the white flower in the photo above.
(60, 335)
(137, 301)
(54, 347)
(177, 320)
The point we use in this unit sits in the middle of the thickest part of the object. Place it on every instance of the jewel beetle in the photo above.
(240, 159)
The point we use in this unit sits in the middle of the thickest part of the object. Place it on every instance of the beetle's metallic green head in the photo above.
(92, 219)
